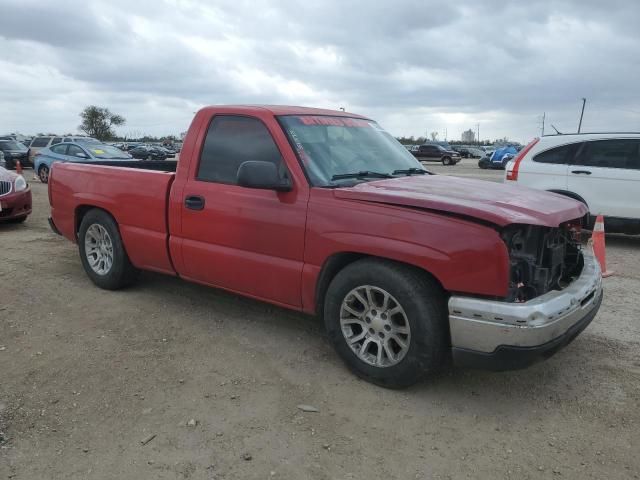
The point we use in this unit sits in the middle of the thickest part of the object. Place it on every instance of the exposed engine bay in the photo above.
(542, 259)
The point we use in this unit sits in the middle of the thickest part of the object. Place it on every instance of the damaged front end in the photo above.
(542, 259)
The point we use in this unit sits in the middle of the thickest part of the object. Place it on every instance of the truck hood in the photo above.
(496, 203)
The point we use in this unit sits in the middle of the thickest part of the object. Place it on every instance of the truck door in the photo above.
(246, 240)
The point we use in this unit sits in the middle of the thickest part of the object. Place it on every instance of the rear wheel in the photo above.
(388, 322)
(102, 253)
(43, 173)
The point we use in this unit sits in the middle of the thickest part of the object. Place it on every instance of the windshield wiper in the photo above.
(411, 171)
(361, 174)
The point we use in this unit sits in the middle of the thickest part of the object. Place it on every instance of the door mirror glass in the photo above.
(264, 175)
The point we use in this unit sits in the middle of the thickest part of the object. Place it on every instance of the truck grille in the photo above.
(5, 187)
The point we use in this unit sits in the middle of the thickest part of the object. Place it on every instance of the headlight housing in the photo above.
(20, 184)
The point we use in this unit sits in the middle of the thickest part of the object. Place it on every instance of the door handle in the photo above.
(194, 202)
(586, 172)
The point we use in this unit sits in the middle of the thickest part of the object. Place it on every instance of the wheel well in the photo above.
(82, 210)
(337, 262)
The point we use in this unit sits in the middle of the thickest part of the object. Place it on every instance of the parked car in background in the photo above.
(169, 152)
(431, 152)
(324, 212)
(38, 143)
(463, 151)
(146, 152)
(2, 162)
(601, 170)
(476, 152)
(499, 158)
(74, 152)
(15, 197)
(14, 151)
(81, 139)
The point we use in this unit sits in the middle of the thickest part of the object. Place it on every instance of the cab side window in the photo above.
(610, 154)
(231, 141)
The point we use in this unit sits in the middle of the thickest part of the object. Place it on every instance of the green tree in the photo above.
(97, 122)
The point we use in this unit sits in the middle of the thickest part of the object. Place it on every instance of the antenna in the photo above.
(584, 100)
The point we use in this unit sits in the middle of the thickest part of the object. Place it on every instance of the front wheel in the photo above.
(43, 173)
(387, 321)
(446, 161)
(102, 253)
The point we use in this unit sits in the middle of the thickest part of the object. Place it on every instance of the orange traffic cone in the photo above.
(18, 167)
(597, 241)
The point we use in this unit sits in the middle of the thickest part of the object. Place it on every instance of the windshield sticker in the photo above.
(299, 148)
(334, 121)
(97, 151)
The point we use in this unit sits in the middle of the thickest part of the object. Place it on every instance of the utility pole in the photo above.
(478, 128)
(584, 100)
(544, 114)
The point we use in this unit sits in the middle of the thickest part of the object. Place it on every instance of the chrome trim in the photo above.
(483, 325)
(2, 183)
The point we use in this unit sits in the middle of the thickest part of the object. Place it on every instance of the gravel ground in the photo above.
(173, 380)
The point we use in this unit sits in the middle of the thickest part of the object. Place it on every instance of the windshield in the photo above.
(106, 152)
(334, 146)
(12, 145)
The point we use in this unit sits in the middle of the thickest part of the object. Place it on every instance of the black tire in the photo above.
(482, 164)
(122, 273)
(446, 161)
(43, 173)
(425, 304)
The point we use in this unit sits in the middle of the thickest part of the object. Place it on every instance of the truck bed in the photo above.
(135, 193)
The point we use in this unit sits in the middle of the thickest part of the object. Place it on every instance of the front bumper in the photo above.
(504, 336)
(15, 205)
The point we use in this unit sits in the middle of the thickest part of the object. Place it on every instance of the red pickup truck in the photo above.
(324, 212)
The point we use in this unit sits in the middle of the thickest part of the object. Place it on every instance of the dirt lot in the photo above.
(86, 375)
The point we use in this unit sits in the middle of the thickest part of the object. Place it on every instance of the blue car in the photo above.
(74, 152)
(499, 158)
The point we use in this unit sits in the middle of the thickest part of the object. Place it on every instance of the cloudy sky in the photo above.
(415, 66)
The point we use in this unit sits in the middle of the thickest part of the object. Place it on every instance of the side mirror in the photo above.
(264, 175)
(81, 155)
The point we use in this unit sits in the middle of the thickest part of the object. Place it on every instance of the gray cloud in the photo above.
(416, 66)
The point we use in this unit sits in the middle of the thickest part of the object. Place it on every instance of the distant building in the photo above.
(469, 136)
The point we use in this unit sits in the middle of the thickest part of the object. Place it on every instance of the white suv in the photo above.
(601, 170)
